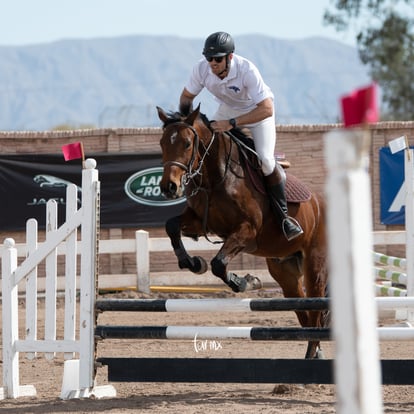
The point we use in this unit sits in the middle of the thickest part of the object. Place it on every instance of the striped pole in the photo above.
(238, 332)
(383, 290)
(211, 305)
(212, 332)
(236, 305)
(396, 277)
(390, 260)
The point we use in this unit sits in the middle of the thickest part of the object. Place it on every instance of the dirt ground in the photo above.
(186, 398)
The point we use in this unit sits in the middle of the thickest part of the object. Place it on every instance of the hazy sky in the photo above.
(26, 22)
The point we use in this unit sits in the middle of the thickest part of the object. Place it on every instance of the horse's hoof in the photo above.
(319, 354)
(242, 284)
(313, 353)
(253, 282)
(200, 265)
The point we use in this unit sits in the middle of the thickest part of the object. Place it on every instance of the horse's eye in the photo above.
(187, 144)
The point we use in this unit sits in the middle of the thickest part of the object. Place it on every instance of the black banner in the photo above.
(130, 194)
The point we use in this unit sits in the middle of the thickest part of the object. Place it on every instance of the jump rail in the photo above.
(264, 371)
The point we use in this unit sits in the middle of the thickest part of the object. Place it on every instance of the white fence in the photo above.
(80, 380)
(142, 246)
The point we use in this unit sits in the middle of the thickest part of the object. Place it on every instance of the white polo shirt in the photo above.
(242, 89)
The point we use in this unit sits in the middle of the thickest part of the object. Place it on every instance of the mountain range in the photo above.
(118, 82)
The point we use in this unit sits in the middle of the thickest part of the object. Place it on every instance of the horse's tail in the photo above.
(326, 314)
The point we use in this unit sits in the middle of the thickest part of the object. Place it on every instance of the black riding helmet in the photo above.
(218, 44)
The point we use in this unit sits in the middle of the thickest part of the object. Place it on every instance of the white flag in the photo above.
(398, 144)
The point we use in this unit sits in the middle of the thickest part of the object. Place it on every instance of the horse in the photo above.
(224, 199)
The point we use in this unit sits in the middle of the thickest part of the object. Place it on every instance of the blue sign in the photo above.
(392, 187)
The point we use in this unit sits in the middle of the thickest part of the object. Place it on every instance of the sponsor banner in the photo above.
(392, 187)
(130, 192)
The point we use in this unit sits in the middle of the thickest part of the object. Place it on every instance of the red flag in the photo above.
(73, 151)
(360, 106)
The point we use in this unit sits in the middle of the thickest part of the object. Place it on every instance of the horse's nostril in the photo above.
(172, 188)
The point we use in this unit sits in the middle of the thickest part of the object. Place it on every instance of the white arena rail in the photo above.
(142, 246)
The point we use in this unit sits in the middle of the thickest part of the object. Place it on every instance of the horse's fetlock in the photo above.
(181, 255)
(184, 264)
(218, 268)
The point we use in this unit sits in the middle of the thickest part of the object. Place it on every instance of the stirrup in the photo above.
(291, 228)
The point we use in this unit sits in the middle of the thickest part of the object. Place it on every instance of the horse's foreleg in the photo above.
(231, 247)
(195, 264)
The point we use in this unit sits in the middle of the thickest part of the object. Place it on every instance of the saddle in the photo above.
(296, 191)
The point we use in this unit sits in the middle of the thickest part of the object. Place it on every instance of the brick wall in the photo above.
(302, 144)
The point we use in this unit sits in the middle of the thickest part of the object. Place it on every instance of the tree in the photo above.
(384, 42)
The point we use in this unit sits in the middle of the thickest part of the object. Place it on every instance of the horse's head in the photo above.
(179, 145)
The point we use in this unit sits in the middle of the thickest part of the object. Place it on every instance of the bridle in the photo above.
(190, 172)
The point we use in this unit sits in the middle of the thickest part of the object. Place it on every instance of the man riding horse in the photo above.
(245, 100)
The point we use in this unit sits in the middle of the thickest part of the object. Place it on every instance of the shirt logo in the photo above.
(234, 88)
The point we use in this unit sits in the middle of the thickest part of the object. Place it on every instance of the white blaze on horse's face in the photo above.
(173, 137)
(176, 155)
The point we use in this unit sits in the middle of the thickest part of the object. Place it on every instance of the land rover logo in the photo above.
(144, 188)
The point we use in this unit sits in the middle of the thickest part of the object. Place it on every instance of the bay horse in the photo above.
(223, 199)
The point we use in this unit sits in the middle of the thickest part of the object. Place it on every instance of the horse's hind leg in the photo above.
(288, 273)
(315, 281)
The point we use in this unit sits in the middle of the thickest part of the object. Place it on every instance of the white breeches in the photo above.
(264, 136)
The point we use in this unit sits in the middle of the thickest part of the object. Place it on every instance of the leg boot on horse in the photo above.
(275, 184)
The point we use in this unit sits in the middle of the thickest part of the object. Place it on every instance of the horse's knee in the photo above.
(172, 227)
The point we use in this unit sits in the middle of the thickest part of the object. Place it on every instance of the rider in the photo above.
(244, 100)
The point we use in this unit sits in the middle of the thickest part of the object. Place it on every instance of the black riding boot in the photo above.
(275, 183)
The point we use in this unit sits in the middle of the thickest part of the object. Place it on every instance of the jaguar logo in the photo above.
(143, 187)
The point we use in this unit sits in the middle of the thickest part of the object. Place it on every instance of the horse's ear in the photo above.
(162, 115)
(192, 117)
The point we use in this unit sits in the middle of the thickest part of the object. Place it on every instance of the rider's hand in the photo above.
(221, 126)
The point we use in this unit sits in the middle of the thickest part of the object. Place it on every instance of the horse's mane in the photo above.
(174, 117)
(236, 134)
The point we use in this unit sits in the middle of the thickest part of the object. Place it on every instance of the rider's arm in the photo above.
(186, 102)
(263, 110)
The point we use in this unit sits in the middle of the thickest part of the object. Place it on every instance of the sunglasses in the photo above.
(216, 59)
